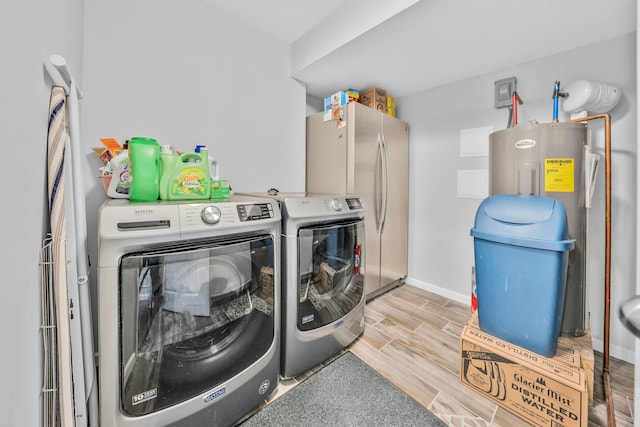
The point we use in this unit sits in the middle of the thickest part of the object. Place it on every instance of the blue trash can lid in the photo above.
(519, 209)
(531, 221)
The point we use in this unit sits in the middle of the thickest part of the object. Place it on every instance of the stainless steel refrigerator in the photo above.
(366, 153)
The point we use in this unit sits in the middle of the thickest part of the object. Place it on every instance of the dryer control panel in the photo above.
(323, 206)
(309, 205)
(354, 203)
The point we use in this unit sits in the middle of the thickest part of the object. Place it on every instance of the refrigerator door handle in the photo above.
(385, 182)
(378, 182)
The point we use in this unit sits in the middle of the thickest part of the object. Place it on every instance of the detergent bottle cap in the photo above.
(200, 147)
(166, 149)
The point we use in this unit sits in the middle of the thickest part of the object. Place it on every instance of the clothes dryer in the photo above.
(323, 252)
(188, 299)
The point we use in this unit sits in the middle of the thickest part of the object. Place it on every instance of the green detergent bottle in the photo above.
(144, 169)
(185, 176)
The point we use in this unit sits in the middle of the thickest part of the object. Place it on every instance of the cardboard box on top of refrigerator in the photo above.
(335, 100)
(375, 98)
(545, 392)
(353, 95)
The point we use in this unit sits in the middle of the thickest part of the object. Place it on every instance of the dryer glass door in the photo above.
(192, 315)
(330, 277)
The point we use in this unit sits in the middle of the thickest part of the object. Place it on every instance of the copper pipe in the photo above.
(607, 262)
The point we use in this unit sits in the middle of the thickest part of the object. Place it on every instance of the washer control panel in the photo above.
(200, 216)
(211, 215)
(120, 217)
(255, 211)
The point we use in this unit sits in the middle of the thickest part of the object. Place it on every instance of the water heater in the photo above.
(547, 159)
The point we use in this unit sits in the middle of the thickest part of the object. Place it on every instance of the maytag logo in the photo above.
(144, 396)
(264, 386)
(524, 144)
(215, 395)
(145, 211)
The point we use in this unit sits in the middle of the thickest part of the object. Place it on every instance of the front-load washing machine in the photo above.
(323, 252)
(188, 306)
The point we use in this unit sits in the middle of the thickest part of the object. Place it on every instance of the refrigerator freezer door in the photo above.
(366, 125)
(394, 239)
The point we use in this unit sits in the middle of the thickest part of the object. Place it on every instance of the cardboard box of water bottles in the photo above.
(545, 392)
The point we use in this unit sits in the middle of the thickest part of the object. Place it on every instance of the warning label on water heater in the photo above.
(559, 175)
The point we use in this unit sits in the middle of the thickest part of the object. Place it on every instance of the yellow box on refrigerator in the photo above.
(391, 106)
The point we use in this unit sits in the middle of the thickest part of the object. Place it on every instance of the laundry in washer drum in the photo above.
(193, 281)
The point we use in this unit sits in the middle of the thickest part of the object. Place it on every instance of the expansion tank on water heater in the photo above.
(547, 159)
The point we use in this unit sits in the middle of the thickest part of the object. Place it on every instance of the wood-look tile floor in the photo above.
(412, 338)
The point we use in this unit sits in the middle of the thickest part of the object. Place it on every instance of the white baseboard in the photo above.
(461, 298)
(615, 351)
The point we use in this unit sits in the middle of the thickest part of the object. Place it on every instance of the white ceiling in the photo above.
(407, 46)
(287, 20)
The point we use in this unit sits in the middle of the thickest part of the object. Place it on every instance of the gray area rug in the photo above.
(347, 392)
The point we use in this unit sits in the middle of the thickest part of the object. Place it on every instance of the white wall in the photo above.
(31, 31)
(440, 247)
(314, 104)
(185, 73)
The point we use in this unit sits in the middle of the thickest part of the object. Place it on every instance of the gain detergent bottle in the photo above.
(184, 176)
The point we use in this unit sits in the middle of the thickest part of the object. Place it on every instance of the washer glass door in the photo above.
(192, 315)
(330, 277)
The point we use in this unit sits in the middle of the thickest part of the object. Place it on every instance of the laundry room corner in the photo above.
(441, 247)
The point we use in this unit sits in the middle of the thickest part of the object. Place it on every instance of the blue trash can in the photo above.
(521, 250)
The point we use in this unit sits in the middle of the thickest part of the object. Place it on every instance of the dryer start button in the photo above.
(211, 215)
